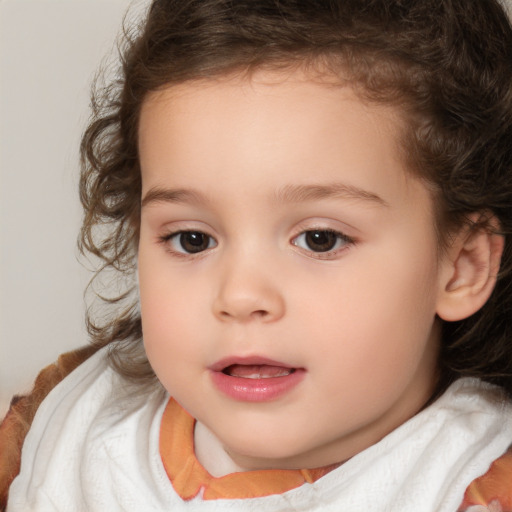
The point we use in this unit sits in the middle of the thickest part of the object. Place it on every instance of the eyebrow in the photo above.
(167, 195)
(300, 193)
(287, 194)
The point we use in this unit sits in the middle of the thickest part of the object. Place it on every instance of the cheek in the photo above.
(166, 293)
(169, 344)
(167, 319)
(375, 323)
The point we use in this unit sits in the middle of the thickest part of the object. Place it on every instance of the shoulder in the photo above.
(492, 492)
(93, 444)
(18, 420)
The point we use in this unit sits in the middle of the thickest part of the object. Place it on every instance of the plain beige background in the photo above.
(49, 53)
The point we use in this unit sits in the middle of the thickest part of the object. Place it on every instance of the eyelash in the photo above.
(335, 236)
(338, 236)
(168, 238)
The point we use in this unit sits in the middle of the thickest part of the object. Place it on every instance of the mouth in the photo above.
(256, 371)
(255, 379)
(252, 367)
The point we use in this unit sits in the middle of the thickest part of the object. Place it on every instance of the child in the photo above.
(316, 198)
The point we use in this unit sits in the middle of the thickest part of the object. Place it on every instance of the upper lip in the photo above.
(247, 360)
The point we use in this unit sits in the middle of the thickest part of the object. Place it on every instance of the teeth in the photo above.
(257, 371)
(259, 375)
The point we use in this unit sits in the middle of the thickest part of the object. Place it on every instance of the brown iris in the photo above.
(321, 240)
(194, 241)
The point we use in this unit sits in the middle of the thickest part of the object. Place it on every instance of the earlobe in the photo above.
(469, 269)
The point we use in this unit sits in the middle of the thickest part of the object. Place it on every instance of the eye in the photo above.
(321, 240)
(189, 242)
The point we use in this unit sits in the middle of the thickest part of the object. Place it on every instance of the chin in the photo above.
(264, 453)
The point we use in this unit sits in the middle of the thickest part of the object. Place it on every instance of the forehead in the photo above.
(292, 126)
(295, 93)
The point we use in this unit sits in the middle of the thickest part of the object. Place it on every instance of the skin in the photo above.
(255, 164)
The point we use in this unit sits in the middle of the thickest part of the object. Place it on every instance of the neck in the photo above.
(211, 454)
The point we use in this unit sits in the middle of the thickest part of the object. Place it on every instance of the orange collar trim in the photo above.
(188, 476)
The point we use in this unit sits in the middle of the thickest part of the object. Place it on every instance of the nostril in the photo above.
(260, 313)
(244, 307)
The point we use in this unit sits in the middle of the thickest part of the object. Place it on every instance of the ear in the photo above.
(469, 268)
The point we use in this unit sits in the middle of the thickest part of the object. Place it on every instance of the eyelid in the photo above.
(330, 254)
(166, 238)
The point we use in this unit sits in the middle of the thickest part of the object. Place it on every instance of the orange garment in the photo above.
(494, 489)
(188, 476)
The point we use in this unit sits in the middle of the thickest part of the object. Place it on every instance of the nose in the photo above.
(248, 293)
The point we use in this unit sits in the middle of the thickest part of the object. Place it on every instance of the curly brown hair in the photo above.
(446, 64)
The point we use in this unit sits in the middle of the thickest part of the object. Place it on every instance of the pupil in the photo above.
(321, 241)
(194, 241)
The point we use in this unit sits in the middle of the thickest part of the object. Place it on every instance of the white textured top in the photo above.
(93, 446)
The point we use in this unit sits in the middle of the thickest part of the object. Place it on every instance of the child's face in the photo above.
(288, 267)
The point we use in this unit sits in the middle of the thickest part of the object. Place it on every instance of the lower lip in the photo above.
(256, 390)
